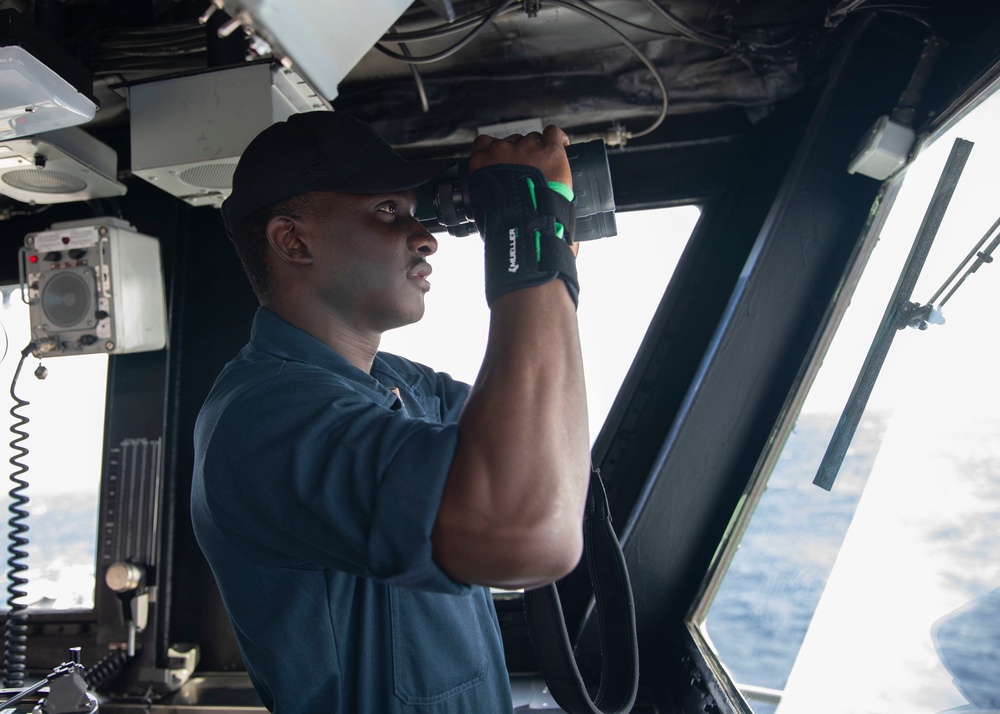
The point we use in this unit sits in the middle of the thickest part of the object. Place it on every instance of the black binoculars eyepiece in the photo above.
(595, 203)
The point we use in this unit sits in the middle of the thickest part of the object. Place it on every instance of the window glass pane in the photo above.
(622, 279)
(883, 595)
(65, 427)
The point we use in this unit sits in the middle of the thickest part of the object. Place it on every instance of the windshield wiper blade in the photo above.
(899, 313)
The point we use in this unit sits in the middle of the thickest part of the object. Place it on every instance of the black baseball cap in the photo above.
(319, 151)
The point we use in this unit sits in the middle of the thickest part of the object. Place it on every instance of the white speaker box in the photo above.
(94, 286)
(58, 167)
(188, 132)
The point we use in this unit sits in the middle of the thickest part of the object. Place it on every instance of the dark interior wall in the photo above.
(806, 243)
(214, 311)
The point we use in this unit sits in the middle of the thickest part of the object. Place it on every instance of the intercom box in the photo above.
(94, 286)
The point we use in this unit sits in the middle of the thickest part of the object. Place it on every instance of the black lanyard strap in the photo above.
(616, 621)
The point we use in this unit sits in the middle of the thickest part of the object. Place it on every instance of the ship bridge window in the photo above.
(622, 279)
(882, 595)
(64, 421)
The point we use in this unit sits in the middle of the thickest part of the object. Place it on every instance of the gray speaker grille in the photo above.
(67, 299)
(42, 181)
(209, 176)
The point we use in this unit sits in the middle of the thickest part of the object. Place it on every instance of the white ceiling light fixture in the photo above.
(41, 86)
(58, 167)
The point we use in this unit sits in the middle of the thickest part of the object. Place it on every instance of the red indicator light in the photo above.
(65, 240)
(32, 258)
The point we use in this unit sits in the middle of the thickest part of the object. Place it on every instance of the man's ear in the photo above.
(283, 233)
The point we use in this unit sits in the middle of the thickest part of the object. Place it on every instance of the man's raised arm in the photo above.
(512, 510)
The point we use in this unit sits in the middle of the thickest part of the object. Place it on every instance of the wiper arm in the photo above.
(900, 313)
(984, 257)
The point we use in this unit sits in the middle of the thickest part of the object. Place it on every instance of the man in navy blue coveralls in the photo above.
(354, 505)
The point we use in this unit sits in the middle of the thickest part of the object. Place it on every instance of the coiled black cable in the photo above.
(15, 634)
(107, 668)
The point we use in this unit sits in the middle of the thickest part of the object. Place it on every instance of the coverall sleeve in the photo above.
(304, 471)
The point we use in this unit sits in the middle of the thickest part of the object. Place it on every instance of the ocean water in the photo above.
(763, 608)
(876, 604)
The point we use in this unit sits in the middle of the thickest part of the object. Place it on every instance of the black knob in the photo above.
(53, 256)
(101, 314)
(77, 253)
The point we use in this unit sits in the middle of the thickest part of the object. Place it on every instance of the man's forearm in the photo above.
(512, 510)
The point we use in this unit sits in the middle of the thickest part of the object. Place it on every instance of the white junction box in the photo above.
(883, 150)
(324, 40)
(188, 133)
(94, 286)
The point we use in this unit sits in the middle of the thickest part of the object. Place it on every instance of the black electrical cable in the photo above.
(718, 41)
(19, 695)
(163, 48)
(15, 634)
(166, 53)
(569, 5)
(114, 43)
(118, 48)
(609, 16)
(638, 53)
(752, 47)
(438, 31)
(417, 79)
(449, 51)
(886, 10)
(838, 14)
(107, 668)
(7, 213)
(184, 27)
(124, 43)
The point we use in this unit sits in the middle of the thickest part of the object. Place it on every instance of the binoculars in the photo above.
(595, 203)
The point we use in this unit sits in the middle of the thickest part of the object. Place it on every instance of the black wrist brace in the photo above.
(521, 219)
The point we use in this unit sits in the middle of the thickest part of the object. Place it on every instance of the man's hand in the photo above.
(526, 224)
(545, 151)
